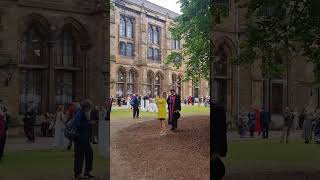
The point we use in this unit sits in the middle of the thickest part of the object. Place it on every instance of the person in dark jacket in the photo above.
(174, 107)
(135, 106)
(265, 122)
(29, 122)
(82, 147)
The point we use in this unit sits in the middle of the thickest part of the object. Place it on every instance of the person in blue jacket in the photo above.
(82, 147)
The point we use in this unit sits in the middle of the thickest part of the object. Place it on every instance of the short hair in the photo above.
(173, 90)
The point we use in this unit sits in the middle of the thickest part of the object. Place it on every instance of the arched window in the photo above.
(130, 82)
(122, 27)
(157, 85)
(129, 28)
(150, 82)
(31, 90)
(121, 82)
(129, 49)
(150, 34)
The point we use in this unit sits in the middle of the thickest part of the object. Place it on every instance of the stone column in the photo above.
(51, 82)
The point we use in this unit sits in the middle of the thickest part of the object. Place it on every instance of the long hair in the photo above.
(60, 108)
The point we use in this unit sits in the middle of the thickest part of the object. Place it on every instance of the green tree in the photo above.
(193, 27)
(276, 28)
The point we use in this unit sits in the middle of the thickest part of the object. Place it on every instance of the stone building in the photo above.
(245, 86)
(52, 52)
(140, 40)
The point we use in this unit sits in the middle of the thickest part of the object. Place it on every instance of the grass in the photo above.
(252, 155)
(185, 111)
(45, 165)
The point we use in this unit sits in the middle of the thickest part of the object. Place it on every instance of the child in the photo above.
(161, 104)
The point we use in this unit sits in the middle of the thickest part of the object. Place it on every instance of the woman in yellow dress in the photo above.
(162, 113)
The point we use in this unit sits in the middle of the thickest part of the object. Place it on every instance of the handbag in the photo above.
(71, 132)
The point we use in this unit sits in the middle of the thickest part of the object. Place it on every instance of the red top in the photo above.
(258, 124)
(72, 110)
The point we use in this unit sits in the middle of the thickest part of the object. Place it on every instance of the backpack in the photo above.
(71, 131)
(2, 127)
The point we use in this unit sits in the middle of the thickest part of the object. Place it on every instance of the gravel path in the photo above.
(138, 152)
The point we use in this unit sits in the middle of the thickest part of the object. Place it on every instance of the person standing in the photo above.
(161, 104)
(29, 122)
(288, 121)
(307, 125)
(45, 125)
(258, 121)
(135, 106)
(174, 107)
(59, 138)
(265, 122)
(82, 147)
(94, 125)
(3, 132)
(128, 102)
(251, 121)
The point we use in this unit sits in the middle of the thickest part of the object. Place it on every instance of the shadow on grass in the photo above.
(46, 165)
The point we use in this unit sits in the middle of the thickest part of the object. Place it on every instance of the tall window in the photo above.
(154, 35)
(121, 83)
(31, 79)
(122, 27)
(150, 53)
(150, 82)
(126, 27)
(157, 85)
(130, 82)
(154, 54)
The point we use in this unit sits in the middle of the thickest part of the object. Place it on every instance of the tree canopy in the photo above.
(277, 28)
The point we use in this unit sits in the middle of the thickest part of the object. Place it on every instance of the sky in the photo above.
(169, 4)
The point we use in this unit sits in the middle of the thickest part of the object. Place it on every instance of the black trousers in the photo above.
(135, 111)
(265, 131)
(29, 132)
(251, 131)
(2, 145)
(82, 153)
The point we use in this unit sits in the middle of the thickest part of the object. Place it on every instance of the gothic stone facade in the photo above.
(295, 90)
(140, 40)
(51, 52)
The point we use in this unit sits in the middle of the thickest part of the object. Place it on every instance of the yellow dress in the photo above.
(161, 104)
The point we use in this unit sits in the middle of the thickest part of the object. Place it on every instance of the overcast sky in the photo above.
(169, 4)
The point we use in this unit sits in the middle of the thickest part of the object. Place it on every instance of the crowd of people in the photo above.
(259, 121)
(80, 116)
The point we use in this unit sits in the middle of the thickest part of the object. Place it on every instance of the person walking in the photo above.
(161, 104)
(288, 121)
(251, 121)
(265, 122)
(135, 106)
(82, 147)
(59, 138)
(174, 107)
(307, 125)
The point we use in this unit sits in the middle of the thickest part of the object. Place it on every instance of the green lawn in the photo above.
(45, 165)
(186, 111)
(251, 155)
